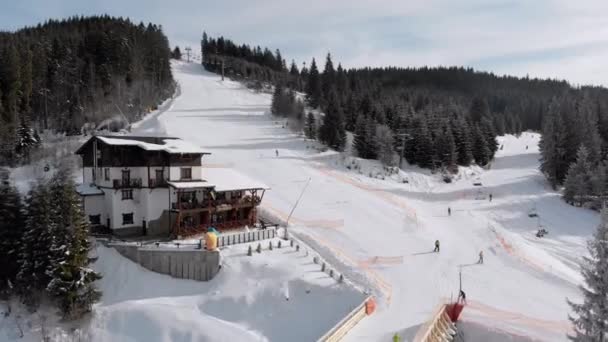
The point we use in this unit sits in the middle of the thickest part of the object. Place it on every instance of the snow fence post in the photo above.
(270, 245)
(250, 251)
(323, 267)
(259, 249)
(279, 244)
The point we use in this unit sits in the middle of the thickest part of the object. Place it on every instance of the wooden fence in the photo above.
(244, 237)
(338, 331)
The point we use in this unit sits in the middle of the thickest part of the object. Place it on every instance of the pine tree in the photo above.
(577, 185)
(177, 53)
(589, 318)
(313, 86)
(11, 231)
(423, 145)
(71, 280)
(332, 132)
(489, 132)
(311, 126)
(446, 149)
(277, 105)
(384, 137)
(360, 142)
(26, 139)
(328, 78)
(553, 162)
(481, 152)
(479, 109)
(35, 256)
(462, 139)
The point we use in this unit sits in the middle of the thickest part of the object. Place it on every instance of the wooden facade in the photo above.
(220, 210)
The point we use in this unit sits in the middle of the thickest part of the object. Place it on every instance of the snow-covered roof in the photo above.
(190, 185)
(88, 190)
(148, 143)
(225, 179)
(169, 145)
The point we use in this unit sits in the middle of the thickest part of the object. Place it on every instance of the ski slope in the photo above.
(382, 232)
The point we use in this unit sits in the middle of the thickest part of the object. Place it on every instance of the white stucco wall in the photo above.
(175, 172)
(95, 205)
(156, 200)
(120, 206)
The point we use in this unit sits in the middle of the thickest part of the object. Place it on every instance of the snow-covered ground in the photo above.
(382, 231)
(278, 295)
(379, 232)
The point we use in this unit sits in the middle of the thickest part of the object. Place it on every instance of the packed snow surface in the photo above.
(382, 231)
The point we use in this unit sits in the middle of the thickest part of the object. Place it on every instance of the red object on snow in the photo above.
(454, 311)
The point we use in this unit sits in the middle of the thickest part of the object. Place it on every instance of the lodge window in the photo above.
(95, 219)
(106, 174)
(127, 194)
(159, 176)
(185, 173)
(127, 218)
(126, 176)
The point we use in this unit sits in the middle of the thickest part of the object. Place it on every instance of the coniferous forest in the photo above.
(436, 118)
(44, 246)
(64, 74)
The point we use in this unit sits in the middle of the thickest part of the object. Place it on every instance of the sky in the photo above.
(560, 39)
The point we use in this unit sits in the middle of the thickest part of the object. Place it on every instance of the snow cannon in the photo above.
(211, 241)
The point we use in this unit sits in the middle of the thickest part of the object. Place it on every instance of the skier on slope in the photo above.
(449, 211)
(276, 152)
(490, 197)
(436, 246)
(480, 261)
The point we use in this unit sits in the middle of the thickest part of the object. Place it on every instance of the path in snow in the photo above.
(384, 231)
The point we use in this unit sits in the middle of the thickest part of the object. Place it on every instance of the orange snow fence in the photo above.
(211, 241)
(370, 306)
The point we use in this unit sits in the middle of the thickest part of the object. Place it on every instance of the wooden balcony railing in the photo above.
(127, 183)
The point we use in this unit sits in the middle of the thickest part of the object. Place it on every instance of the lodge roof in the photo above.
(221, 180)
(169, 145)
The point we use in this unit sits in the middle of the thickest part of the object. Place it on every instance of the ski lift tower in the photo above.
(188, 52)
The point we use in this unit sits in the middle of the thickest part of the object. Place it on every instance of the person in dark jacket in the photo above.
(449, 211)
(436, 246)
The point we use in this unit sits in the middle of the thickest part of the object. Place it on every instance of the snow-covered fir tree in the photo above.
(35, 257)
(481, 152)
(590, 318)
(71, 282)
(332, 132)
(578, 183)
(311, 127)
(11, 229)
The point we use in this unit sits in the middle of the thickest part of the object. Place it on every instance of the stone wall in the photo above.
(195, 264)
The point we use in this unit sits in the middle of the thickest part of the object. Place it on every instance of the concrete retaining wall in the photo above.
(192, 264)
(340, 330)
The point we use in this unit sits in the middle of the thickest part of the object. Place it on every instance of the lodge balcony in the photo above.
(247, 201)
(127, 183)
(157, 183)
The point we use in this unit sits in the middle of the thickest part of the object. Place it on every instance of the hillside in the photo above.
(382, 231)
(65, 74)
